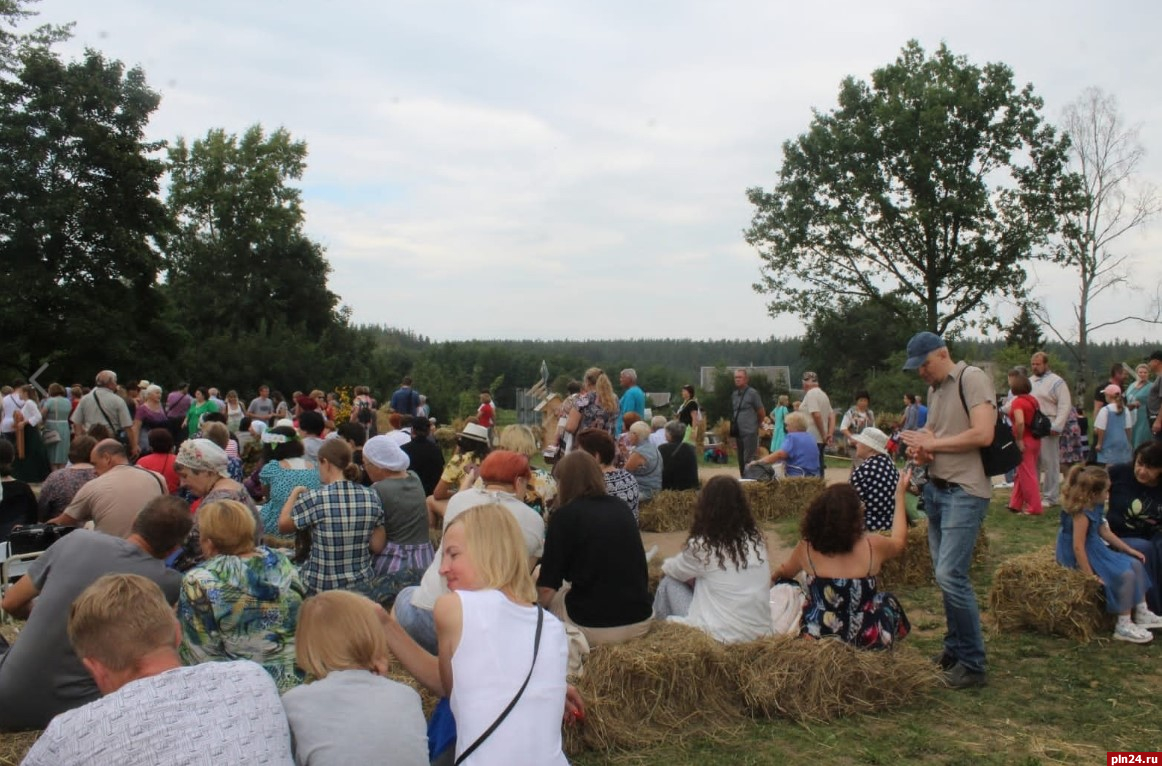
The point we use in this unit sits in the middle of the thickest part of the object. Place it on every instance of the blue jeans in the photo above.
(954, 519)
(419, 623)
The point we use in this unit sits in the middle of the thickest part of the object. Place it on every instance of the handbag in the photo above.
(504, 714)
(118, 433)
(49, 436)
(1002, 454)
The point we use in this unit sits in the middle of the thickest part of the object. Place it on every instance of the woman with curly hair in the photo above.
(596, 406)
(720, 581)
(841, 560)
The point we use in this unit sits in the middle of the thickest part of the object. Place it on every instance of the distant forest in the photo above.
(452, 373)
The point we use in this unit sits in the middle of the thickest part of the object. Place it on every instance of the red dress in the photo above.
(1027, 487)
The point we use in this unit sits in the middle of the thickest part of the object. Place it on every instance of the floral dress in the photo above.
(853, 610)
(300, 473)
(243, 608)
(593, 415)
(1071, 444)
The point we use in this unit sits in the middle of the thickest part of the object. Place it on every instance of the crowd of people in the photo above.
(265, 561)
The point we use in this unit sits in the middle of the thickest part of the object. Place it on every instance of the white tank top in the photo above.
(488, 667)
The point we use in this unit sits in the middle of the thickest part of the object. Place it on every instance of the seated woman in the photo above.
(504, 476)
(59, 488)
(491, 635)
(460, 471)
(593, 542)
(242, 602)
(345, 521)
(284, 468)
(720, 582)
(408, 550)
(619, 482)
(841, 559)
(1085, 542)
(679, 461)
(1134, 511)
(17, 500)
(799, 453)
(220, 435)
(162, 459)
(351, 712)
(644, 462)
(201, 466)
(875, 479)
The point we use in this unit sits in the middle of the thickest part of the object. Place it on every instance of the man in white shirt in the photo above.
(1053, 397)
(820, 417)
(113, 499)
(103, 406)
(153, 709)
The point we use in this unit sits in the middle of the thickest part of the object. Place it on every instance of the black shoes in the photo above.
(960, 677)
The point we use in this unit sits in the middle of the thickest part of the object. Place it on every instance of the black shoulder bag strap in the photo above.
(156, 476)
(741, 399)
(488, 732)
(97, 401)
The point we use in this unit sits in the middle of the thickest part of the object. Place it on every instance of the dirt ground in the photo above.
(670, 543)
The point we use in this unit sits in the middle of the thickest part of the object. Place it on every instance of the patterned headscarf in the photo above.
(202, 455)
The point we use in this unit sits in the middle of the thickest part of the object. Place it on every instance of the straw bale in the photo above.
(1032, 591)
(808, 680)
(782, 499)
(668, 511)
(15, 745)
(914, 565)
(673, 683)
(428, 700)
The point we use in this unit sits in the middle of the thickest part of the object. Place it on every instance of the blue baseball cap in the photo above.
(920, 346)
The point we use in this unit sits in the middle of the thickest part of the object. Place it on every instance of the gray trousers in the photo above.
(748, 447)
(1050, 466)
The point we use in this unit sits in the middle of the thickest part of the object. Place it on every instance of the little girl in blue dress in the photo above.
(1081, 544)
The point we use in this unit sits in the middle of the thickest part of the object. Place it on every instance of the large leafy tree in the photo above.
(239, 262)
(931, 183)
(79, 216)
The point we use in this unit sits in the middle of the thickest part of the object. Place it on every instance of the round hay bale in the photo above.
(808, 680)
(771, 500)
(668, 511)
(675, 682)
(1032, 591)
(914, 565)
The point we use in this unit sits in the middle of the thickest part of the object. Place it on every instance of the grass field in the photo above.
(1049, 700)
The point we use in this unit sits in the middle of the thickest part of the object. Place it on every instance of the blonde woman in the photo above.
(243, 601)
(596, 406)
(798, 452)
(351, 712)
(491, 638)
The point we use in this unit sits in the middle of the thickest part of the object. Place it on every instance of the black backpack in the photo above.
(1002, 454)
(1041, 426)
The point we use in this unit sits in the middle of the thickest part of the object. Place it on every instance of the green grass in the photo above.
(1049, 700)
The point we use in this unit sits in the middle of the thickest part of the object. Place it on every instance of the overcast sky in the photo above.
(578, 170)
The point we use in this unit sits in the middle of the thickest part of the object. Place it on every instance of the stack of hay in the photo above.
(914, 565)
(1033, 591)
(668, 511)
(788, 498)
(677, 682)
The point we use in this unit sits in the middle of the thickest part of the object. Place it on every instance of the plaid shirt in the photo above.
(341, 517)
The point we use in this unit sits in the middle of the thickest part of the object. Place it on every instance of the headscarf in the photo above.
(202, 455)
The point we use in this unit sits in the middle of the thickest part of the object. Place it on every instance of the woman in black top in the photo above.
(593, 542)
(1134, 512)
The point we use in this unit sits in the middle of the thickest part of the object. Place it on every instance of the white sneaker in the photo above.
(1128, 631)
(1147, 619)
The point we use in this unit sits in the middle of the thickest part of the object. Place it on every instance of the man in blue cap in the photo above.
(957, 494)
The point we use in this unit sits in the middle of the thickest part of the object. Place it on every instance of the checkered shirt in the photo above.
(341, 517)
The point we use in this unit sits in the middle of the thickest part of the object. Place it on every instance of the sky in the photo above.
(579, 170)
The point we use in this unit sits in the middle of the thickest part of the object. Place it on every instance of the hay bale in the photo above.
(807, 680)
(782, 499)
(1032, 591)
(914, 565)
(668, 511)
(673, 683)
(428, 700)
(15, 745)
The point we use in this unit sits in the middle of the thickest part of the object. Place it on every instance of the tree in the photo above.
(1025, 332)
(239, 262)
(932, 184)
(15, 45)
(1105, 156)
(848, 344)
(79, 217)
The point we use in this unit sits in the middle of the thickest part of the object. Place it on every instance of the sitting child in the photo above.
(1119, 567)
(350, 713)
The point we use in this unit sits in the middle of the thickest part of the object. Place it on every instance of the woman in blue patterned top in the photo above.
(242, 602)
(345, 520)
